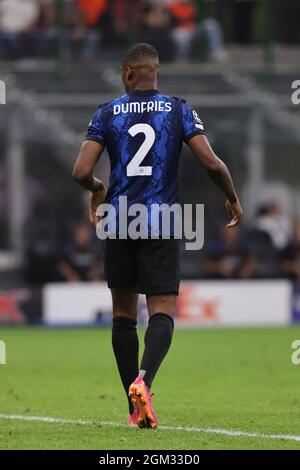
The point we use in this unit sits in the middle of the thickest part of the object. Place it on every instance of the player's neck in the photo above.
(144, 86)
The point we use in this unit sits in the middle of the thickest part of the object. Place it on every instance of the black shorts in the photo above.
(145, 266)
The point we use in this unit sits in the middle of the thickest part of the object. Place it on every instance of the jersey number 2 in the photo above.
(134, 167)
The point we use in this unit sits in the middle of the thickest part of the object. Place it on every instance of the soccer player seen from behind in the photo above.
(143, 132)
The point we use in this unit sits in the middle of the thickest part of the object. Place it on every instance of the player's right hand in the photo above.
(96, 199)
(235, 212)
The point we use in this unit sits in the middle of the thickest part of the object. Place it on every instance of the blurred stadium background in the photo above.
(235, 62)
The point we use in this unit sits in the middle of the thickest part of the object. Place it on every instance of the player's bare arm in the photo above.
(89, 155)
(219, 173)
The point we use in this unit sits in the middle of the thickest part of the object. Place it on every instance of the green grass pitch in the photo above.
(232, 379)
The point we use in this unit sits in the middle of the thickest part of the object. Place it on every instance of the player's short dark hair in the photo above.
(141, 52)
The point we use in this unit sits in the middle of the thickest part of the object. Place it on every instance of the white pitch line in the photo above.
(224, 432)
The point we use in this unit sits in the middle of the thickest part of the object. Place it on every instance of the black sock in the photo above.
(158, 339)
(126, 348)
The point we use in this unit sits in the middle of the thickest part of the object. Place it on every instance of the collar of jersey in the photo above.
(144, 92)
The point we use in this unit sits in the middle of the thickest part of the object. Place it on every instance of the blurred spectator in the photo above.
(272, 221)
(186, 30)
(229, 257)
(71, 31)
(122, 13)
(93, 12)
(80, 261)
(22, 27)
(29, 26)
(290, 256)
(80, 23)
(155, 28)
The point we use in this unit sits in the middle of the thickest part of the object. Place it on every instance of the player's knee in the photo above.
(162, 303)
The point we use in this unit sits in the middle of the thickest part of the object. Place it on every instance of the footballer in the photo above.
(143, 132)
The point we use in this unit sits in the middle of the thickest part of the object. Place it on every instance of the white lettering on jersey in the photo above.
(150, 106)
(142, 107)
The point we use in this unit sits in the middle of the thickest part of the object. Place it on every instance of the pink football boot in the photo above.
(141, 398)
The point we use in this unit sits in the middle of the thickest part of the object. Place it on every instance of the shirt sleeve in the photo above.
(191, 123)
(96, 129)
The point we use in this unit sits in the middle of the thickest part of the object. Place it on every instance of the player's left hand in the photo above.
(235, 211)
(96, 199)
